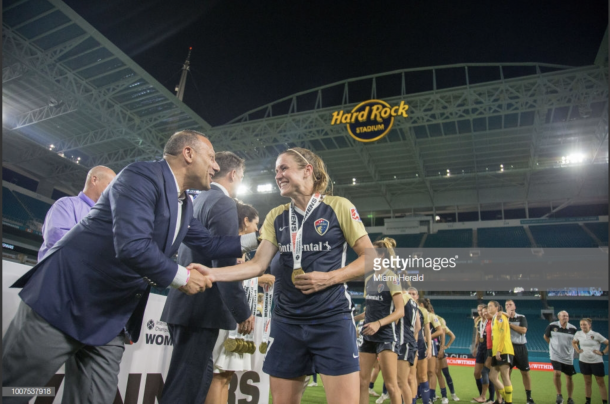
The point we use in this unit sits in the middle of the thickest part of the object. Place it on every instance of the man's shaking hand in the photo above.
(197, 283)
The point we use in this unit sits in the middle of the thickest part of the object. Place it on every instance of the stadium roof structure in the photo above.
(476, 134)
(68, 91)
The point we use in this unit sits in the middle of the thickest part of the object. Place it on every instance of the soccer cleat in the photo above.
(444, 400)
(312, 384)
(382, 398)
(373, 393)
(530, 401)
(454, 397)
(570, 401)
(559, 399)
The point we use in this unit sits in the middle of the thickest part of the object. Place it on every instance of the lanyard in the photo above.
(267, 311)
(296, 231)
(252, 294)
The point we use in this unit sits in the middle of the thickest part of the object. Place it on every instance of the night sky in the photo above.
(249, 53)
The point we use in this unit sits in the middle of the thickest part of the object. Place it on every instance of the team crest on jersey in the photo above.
(355, 214)
(592, 337)
(321, 226)
(555, 329)
(380, 288)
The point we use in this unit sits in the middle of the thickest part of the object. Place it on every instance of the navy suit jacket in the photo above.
(92, 283)
(225, 304)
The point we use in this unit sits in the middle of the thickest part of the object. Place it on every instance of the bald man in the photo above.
(68, 211)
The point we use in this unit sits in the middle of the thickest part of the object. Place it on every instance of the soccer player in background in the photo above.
(518, 328)
(442, 368)
(424, 351)
(502, 352)
(559, 336)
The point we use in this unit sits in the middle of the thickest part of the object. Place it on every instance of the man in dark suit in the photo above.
(91, 288)
(194, 321)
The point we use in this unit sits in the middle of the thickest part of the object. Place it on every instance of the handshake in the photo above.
(201, 278)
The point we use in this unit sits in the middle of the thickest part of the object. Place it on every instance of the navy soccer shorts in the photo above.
(375, 347)
(304, 349)
(421, 349)
(406, 352)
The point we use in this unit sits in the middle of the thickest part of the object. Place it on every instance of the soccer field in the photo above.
(543, 390)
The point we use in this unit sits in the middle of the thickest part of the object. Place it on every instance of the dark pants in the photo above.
(191, 367)
(33, 350)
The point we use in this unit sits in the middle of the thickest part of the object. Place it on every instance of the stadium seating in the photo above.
(12, 209)
(38, 209)
(561, 236)
(502, 237)
(449, 239)
(407, 240)
(600, 230)
(578, 309)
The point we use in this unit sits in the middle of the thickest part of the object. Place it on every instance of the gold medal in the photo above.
(263, 348)
(481, 339)
(295, 272)
(230, 344)
(252, 347)
(240, 345)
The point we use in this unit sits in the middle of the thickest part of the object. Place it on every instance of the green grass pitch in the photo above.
(543, 390)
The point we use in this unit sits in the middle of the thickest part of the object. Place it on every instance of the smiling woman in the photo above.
(312, 330)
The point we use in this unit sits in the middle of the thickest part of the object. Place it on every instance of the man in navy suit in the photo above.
(91, 288)
(194, 321)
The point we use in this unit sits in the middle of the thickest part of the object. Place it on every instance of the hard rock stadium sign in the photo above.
(371, 120)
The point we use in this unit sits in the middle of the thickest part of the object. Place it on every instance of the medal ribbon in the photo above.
(296, 231)
(251, 293)
(267, 311)
(482, 327)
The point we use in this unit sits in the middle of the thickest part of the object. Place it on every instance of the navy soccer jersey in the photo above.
(378, 292)
(408, 321)
(330, 228)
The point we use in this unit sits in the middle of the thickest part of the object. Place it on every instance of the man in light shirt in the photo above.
(559, 336)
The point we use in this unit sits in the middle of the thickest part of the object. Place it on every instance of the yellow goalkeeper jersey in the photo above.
(500, 334)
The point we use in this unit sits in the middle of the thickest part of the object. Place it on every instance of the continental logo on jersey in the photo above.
(380, 288)
(286, 248)
(321, 226)
(371, 120)
(355, 214)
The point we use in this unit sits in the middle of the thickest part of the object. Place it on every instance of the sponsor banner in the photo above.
(145, 364)
(547, 367)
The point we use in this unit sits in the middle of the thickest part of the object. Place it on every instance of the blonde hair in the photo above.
(588, 320)
(388, 243)
(305, 157)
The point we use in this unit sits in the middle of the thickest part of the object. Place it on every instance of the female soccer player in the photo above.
(437, 333)
(483, 360)
(419, 379)
(502, 351)
(587, 343)
(442, 368)
(407, 352)
(227, 363)
(312, 326)
(384, 308)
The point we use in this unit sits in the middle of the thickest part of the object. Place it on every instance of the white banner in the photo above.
(145, 364)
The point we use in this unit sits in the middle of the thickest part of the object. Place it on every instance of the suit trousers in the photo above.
(191, 367)
(33, 351)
